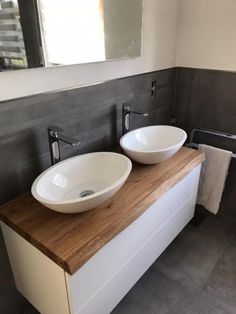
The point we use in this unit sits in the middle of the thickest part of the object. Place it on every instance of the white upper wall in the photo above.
(207, 34)
(160, 18)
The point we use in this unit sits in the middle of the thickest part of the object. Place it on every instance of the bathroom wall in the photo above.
(160, 19)
(207, 98)
(204, 97)
(206, 34)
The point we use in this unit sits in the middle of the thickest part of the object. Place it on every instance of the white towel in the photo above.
(212, 178)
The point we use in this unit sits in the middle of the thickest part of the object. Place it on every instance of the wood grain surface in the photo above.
(71, 239)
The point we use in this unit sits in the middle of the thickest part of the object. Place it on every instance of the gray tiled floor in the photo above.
(195, 275)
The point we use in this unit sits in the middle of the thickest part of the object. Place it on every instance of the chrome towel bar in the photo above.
(213, 132)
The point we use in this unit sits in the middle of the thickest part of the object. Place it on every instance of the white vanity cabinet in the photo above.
(99, 285)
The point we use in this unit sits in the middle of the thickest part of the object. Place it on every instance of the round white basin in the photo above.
(81, 183)
(153, 144)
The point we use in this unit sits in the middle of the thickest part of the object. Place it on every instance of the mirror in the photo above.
(46, 33)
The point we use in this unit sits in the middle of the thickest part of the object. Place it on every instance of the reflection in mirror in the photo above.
(36, 33)
(12, 48)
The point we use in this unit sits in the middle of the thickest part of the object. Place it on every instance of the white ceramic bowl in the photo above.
(153, 144)
(81, 183)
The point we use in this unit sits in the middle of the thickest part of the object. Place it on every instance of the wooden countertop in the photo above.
(71, 239)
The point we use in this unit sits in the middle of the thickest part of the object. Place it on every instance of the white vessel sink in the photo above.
(153, 144)
(81, 183)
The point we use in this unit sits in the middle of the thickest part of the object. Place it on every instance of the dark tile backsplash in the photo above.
(206, 98)
(92, 114)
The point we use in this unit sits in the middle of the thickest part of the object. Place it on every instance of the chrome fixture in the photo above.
(55, 135)
(126, 111)
(212, 132)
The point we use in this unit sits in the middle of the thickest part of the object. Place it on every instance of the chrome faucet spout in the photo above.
(69, 140)
(126, 112)
(55, 135)
(145, 114)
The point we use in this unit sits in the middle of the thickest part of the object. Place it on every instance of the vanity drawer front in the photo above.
(110, 294)
(85, 284)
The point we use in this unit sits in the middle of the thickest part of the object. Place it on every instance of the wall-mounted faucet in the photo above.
(126, 111)
(55, 135)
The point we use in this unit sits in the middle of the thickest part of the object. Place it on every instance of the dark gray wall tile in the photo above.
(207, 98)
(92, 114)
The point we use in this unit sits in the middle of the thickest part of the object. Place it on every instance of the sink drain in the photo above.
(86, 193)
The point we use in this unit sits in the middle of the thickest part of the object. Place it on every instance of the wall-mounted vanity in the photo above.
(86, 263)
